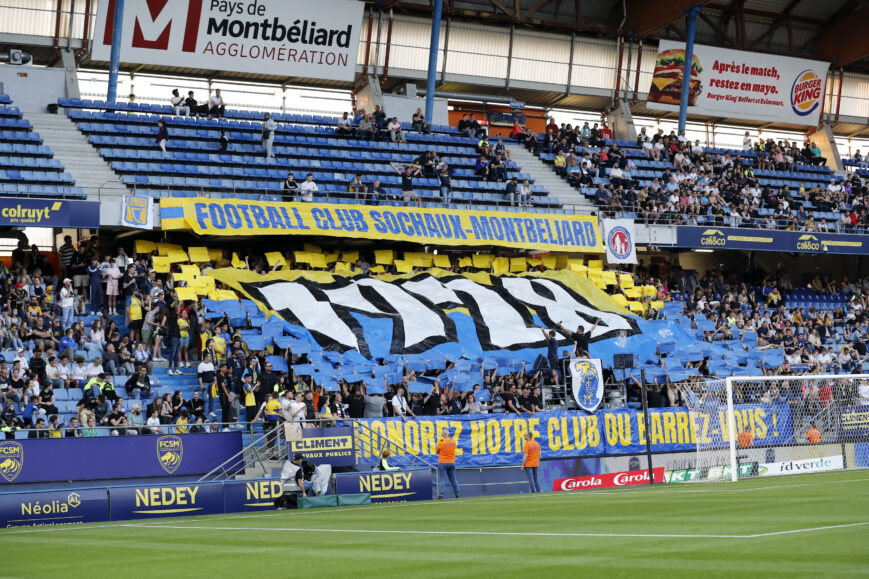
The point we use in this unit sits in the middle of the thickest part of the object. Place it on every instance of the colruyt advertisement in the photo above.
(739, 85)
(276, 37)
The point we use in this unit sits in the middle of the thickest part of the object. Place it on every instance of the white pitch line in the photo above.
(809, 530)
(413, 532)
(500, 533)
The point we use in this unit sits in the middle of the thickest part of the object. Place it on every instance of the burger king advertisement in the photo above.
(739, 85)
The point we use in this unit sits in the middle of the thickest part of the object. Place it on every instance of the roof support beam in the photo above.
(846, 40)
(785, 17)
(646, 17)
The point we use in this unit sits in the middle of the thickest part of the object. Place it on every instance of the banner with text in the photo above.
(496, 440)
(739, 85)
(548, 232)
(272, 37)
(770, 240)
(21, 212)
(387, 487)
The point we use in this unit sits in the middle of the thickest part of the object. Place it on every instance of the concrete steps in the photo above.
(80, 159)
(543, 174)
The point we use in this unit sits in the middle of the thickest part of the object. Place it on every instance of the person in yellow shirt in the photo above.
(249, 390)
(531, 461)
(135, 319)
(447, 463)
(560, 163)
(272, 413)
(184, 340)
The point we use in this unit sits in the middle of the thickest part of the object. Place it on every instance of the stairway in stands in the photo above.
(569, 197)
(81, 160)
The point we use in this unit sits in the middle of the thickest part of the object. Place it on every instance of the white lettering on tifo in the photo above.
(416, 307)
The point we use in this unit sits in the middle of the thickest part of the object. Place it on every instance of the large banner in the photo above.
(326, 446)
(55, 507)
(770, 240)
(283, 38)
(587, 383)
(142, 502)
(739, 85)
(51, 459)
(620, 235)
(437, 315)
(234, 217)
(496, 440)
(21, 212)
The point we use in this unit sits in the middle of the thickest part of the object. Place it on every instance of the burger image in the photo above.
(668, 76)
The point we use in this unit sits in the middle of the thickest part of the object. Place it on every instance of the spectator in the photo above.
(396, 134)
(345, 126)
(357, 187)
(224, 142)
(408, 194)
(291, 186)
(365, 128)
(269, 128)
(177, 101)
(307, 189)
(217, 108)
(418, 122)
(162, 135)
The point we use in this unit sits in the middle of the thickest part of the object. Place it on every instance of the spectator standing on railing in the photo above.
(269, 128)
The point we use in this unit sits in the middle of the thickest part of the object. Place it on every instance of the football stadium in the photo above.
(434, 287)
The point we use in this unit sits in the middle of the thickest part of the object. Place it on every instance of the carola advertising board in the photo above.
(739, 85)
(273, 37)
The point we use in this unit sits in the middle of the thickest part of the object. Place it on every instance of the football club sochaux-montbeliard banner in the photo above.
(286, 38)
(619, 236)
(739, 85)
(587, 383)
(537, 231)
(437, 315)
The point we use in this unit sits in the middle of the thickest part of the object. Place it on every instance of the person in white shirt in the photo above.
(307, 188)
(345, 126)
(79, 372)
(94, 369)
(153, 423)
(395, 132)
(181, 109)
(400, 406)
(746, 141)
(297, 409)
(268, 136)
(217, 107)
(67, 303)
(123, 260)
(21, 359)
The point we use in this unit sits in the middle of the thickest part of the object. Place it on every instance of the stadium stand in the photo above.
(194, 164)
(667, 180)
(27, 166)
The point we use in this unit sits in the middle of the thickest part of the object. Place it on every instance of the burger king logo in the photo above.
(806, 92)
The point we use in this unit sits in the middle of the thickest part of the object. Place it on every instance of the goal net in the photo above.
(747, 427)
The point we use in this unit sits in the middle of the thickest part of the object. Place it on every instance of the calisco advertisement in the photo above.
(273, 37)
(739, 85)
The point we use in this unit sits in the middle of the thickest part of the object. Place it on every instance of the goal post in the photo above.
(756, 426)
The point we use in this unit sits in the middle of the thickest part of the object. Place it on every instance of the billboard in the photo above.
(274, 37)
(142, 502)
(770, 240)
(326, 445)
(739, 85)
(608, 480)
(52, 459)
(19, 212)
(251, 495)
(387, 487)
(55, 507)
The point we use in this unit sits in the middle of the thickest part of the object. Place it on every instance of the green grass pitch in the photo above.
(795, 526)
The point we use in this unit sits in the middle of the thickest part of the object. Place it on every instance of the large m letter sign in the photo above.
(272, 37)
(414, 315)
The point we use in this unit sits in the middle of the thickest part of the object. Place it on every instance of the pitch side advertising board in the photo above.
(739, 85)
(273, 37)
(609, 480)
